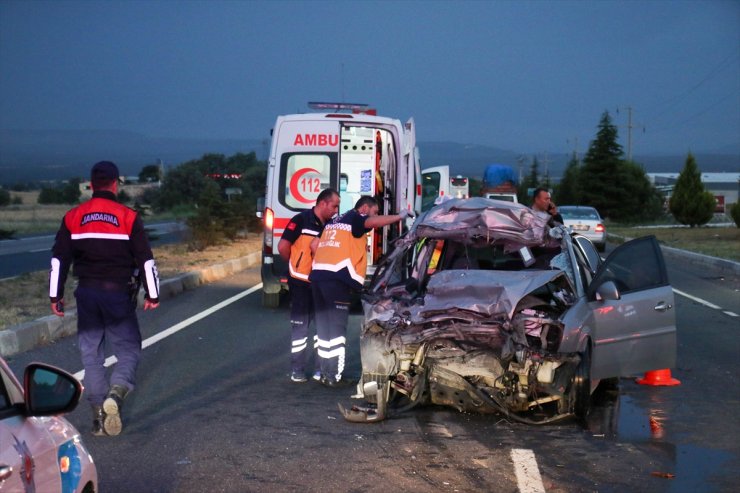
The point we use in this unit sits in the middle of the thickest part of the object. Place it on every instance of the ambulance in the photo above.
(347, 147)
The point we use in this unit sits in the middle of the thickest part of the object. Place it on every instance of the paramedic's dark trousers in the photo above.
(331, 303)
(107, 316)
(301, 317)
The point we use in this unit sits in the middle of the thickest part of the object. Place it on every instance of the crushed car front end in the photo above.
(467, 312)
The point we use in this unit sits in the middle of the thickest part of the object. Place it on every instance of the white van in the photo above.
(357, 153)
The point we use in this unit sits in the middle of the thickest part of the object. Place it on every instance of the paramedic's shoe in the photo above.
(298, 377)
(317, 376)
(98, 428)
(112, 408)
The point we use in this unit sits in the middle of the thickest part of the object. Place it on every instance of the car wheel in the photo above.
(271, 300)
(581, 389)
(601, 247)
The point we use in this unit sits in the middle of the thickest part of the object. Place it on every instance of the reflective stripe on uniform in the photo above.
(339, 266)
(296, 274)
(299, 345)
(151, 277)
(54, 277)
(100, 236)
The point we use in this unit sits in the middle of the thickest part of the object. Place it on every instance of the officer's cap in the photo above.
(104, 171)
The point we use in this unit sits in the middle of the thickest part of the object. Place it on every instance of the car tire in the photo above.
(601, 247)
(581, 388)
(271, 300)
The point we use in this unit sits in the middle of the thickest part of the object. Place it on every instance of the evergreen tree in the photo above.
(567, 191)
(619, 189)
(598, 179)
(640, 199)
(534, 174)
(735, 213)
(529, 182)
(690, 203)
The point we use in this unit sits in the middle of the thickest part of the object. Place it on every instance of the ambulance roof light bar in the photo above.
(316, 105)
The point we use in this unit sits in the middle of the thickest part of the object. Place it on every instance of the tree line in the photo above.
(620, 189)
(218, 194)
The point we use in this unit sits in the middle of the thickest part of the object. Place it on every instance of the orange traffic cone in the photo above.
(658, 377)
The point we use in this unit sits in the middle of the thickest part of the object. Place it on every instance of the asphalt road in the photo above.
(214, 411)
(32, 253)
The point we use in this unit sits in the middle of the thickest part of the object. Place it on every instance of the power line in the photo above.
(696, 115)
(709, 76)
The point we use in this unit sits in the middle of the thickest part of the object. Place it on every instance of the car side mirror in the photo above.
(49, 391)
(607, 292)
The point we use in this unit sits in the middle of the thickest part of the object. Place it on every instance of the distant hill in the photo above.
(32, 155)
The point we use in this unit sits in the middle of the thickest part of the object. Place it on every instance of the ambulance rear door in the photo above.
(306, 158)
(368, 166)
(435, 183)
(411, 173)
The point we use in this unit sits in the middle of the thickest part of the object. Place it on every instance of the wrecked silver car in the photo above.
(483, 307)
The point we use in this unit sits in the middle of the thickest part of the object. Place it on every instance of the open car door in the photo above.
(636, 332)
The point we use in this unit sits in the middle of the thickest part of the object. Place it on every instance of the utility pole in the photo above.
(575, 146)
(630, 126)
(629, 133)
(546, 162)
(520, 165)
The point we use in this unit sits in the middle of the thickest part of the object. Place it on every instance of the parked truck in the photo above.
(499, 182)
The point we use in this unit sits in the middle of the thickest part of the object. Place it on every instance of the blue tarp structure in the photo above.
(497, 174)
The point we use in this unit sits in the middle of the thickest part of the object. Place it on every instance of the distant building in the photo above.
(724, 186)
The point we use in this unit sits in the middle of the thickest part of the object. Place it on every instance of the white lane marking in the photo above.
(110, 360)
(732, 314)
(698, 300)
(40, 250)
(527, 473)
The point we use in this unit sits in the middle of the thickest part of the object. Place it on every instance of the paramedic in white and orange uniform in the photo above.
(295, 248)
(339, 267)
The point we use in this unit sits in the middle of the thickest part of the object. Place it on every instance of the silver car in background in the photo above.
(585, 221)
(483, 307)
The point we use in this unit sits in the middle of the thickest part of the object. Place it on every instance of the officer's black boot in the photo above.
(112, 408)
(98, 419)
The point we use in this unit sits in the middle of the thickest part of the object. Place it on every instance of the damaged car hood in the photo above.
(464, 294)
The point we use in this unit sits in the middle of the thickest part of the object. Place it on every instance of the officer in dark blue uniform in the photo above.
(107, 244)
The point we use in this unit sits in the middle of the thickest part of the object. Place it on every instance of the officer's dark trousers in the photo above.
(331, 302)
(301, 318)
(107, 317)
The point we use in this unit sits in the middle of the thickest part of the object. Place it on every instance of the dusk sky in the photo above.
(527, 76)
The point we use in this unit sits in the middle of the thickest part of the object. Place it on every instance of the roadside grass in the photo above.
(721, 242)
(26, 297)
(30, 217)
